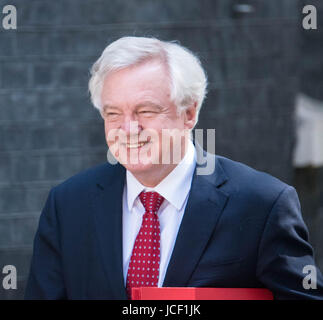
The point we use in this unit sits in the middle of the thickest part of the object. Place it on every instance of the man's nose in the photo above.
(130, 126)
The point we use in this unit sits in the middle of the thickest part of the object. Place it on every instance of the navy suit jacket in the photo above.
(241, 228)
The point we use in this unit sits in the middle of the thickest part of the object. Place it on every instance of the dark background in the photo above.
(256, 65)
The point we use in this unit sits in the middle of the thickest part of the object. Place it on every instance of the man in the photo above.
(154, 218)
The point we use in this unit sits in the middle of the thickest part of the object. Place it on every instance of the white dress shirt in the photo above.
(175, 189)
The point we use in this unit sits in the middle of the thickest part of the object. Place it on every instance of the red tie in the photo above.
(143, 268)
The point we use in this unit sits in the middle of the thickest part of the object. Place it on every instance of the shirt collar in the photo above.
(174, 187)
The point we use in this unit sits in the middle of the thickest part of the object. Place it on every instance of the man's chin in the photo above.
(140, 168)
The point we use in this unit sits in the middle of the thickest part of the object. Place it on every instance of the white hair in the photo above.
(188, 79)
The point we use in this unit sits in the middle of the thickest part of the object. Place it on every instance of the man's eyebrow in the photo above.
(148, 104)
(108, 106)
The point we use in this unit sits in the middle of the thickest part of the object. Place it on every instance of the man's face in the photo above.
(136, 108)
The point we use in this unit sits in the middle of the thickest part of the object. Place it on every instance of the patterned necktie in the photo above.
(143, 268)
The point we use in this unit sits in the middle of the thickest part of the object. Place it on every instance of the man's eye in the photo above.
(146, 112)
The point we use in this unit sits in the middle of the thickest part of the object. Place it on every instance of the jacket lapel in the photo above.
(204, 207)
(108, 224)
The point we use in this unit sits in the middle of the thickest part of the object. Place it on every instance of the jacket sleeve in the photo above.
(46, 277)
(284, 251)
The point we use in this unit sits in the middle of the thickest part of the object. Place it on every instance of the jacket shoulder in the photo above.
(82, 181)
(249, 181)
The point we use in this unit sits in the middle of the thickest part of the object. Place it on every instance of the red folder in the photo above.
(153, 293)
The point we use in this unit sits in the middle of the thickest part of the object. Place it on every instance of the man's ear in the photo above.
(190, 116)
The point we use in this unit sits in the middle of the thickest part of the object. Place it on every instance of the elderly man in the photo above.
(152, 219)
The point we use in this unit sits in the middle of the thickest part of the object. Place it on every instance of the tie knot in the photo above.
(151, 201)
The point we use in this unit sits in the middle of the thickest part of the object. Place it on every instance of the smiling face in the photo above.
(136, 108)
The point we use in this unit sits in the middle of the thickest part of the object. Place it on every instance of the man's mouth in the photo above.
(135, 145)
